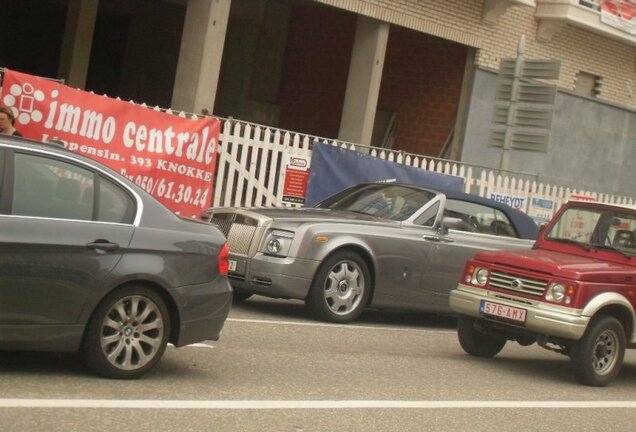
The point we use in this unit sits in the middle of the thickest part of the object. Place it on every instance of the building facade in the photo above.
(414, 75)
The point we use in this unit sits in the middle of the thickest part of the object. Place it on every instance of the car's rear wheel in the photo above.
(127, 333)
(475, 342)
(340, 289)
(598, 356)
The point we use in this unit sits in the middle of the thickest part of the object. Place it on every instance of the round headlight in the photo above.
(481, 276)
(556, 293)
(274, 246)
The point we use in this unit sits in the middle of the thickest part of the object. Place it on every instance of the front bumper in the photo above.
(541, 318)
(270, 276)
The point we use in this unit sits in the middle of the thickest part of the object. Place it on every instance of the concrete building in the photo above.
(415, 75)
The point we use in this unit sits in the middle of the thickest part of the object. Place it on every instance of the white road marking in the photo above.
(343, 326)
(195, 345)
(306, 404)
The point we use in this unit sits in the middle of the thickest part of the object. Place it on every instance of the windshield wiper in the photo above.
(570, 241)
(625, 254)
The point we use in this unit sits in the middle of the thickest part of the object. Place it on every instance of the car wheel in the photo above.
(127, 334)
(340, 288)
(475, 342)
(598, 356)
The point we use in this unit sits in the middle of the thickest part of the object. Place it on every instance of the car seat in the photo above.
(623, 238)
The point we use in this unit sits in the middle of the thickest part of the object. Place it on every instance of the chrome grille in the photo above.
(516, 283)
(239, 235)
(223, 225)
(240, 238)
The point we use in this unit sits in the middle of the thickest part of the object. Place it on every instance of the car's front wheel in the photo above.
(340, 289)
(127, 333)
(475, 342)
(598, 356)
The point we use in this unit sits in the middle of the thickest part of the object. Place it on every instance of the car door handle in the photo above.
(438, 239)
(103, 245)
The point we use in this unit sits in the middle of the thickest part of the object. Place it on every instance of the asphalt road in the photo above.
(275, 369)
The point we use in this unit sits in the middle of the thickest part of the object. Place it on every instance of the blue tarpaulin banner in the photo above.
(333, 169)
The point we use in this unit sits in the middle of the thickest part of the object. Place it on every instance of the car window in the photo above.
(115, 205)
(479, 218)
(502, 226)
(46, 187)
(427, 218)
(50, 188)
(384, 200)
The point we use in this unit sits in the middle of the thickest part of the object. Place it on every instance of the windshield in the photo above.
(597, 228)
(384, 200)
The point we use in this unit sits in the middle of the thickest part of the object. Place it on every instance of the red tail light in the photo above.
(224, 263)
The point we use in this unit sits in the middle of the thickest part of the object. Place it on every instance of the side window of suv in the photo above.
(51, 188)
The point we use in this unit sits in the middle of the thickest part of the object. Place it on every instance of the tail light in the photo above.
(224, 263)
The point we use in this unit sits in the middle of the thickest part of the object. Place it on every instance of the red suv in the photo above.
(574, 292)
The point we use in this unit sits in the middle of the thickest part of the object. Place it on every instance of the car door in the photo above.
(479, 229)
(54, 255)
(401, 258)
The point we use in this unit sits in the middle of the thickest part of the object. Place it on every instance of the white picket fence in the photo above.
(251, 166)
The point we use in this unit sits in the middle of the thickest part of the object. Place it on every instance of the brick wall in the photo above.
(578, 50)
(421, 80)
(421, 84)
(315, 69)
(460, 21)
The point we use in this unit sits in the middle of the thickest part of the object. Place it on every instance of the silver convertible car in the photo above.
(378, 245)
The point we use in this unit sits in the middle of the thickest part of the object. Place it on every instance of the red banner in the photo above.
(620, 14)
(171, 157)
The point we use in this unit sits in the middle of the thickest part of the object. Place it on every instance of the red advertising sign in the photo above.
(620, 14)
(296, 176)
(171, 157)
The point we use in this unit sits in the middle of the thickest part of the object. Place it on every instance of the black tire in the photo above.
(598, 356)
(475, 342)
(340, 289)
(139, 338)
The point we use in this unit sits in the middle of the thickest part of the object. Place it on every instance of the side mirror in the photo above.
(450, 222)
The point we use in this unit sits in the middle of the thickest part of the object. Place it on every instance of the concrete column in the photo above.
(201, 54)
(78, 41)
(456, 145)
(363, 84)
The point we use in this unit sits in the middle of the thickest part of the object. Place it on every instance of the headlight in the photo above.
(480, 276)
(556, 293)
(274, 246)
(278, 242)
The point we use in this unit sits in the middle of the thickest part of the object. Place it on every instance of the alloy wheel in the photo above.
(132, 332)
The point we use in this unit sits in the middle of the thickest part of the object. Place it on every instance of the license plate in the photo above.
(502, 311)
(232, 265)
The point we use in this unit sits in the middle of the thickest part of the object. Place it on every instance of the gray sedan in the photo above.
(379, 245)
(90, 262)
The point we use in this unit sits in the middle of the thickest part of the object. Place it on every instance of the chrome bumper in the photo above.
(541, 318)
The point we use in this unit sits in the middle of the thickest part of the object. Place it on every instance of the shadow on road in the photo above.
(268, 308)
(42, 363)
